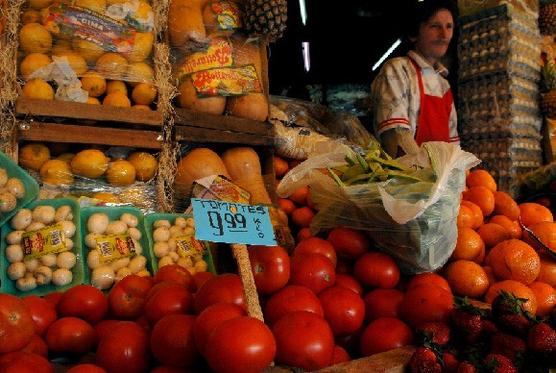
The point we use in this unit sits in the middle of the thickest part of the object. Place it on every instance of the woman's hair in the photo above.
(422, 11)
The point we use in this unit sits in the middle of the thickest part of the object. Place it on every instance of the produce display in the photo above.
(12, 190)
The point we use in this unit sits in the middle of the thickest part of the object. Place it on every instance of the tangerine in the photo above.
(482, 197)
(492, 234)
(303, 216)
(280, 166)
(477, 213)
(467, 278)
(532, 213)
(38, 88)
(286, 205)
(517, 289)
(514, 260)
(466, 218)
(143, 94)
(512, 226)
(299, 195)
(545, 231)
(32, 62)
(469, 245)
(117, 99)
(548, 270)
(504, 204)
(481, 178)
(93, 83)
(546, 297)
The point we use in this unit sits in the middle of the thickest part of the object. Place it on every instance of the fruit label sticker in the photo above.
(218, 187)
(76, 22)
(47, 240)
(227, 81)
(115, 246)
(227, 13)
(188, 246)
(218, 54)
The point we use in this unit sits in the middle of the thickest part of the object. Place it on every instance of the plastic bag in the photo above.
(415, 222)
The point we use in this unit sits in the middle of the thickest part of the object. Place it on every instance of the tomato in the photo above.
(286, 205)
(36, 345)
(270, 266)
(104, 327)
(426, 303)
(70, 335)
(340, 355)
(343, 309)
(53, 298)
(385, 334)
(169, 300)
(348, 242)
(299, 195)
(242, 344)
(175, 273)
(199, 279)
(226, 288)
(128, 297)
(16, 323)
(172, 341)
(86, 368)
(303, 234)
(315, 245)
(314, 271)
(24, 362)
(349, 282)
(42, 312)
(290, 299)
(383, 303)
(377, 270)
(125, 350)
(85, 302)
(428, 278)
(210, 318)
(303, 340)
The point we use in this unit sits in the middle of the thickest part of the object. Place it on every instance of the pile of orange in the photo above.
(494, 253)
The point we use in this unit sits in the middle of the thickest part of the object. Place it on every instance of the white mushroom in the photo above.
(180, 222)
(103, 277)
(119, 263)
(26, 283)
(116, 227)
(69, 243)
(34, 226)
(137, 263)
(162, 223)
(185, 262)
(3, 177)
(91, 240)
(14, 253)
(190, 222)
(15, 187)
(130, 219)
(174, 255)
(161, 234)
(138, 247)
(175, 231)
(61, 277)
(44, 214)
(67, 260)
(172, 245)
(161, 249)
(31, 264)
(164, 261)
(16, 270)
(122, 272)
(7, 202)
(143, 273)
(188, 231)
(134, 233)
(97, 223)
(49, 260)
(22, 219)
(63, 213)
(43, 275)
(14, 237)
(201, 266)
(68, 227)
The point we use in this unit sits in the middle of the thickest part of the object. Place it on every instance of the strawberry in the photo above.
(499, 364)
(436, 332)
(424, 360)
(508, 345)
(468, 320)
(541, 340)
(450, 362)
(508, 313)
(466, 367)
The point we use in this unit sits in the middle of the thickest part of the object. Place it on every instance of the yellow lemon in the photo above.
(93, 83)
(142, 47)
(38, 88)
(33, 156)
(77, 63)
(106, 197)
(31, 16)
(33, 62)
(39, 4)
(66, 157)
(145, 165)
(116, 86)
(141, 107)
(98, 6)
(88, 50)
(57, 172)
(121, 173)
(93, 101)
(91, 163)
(116, 99)
(139, 72)
(111, 65)
(143, 94)
(143, 12)
(34, 38)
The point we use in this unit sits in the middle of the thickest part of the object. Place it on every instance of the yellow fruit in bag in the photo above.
(76, 62)
(38, 88)
(98, 6)
(116, 86)
(187, 98)
(57, 172)
(121, 173)
(139, 72)
(142, 47)
(143, 94)
(33, 62)
(61, 46)
(145, 164)
(111, 65)
(39, 4)
(34, 38)
(106, 197)
(33, 156)
(30, 16)
(93, 101)
(88, 50)
(144, 13)
(91, 163)
(93, 83)
(116, 99)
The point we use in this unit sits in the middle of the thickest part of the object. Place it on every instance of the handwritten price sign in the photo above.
(220, 221)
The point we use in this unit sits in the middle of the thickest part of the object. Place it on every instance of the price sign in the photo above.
(229, 222)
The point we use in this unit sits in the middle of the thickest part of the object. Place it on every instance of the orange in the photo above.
(492, 234)
(504, 204)
(469, 245)
(514, 260)
(299, 196)
(121, 173)
(286, 205)
(35, 38)
(280, 166)
(546, 297)
(428, 278)
(32, 156)
(466, 219)
(467, 278)
(477, 213)
(302, 216)
(532, 213)
(482, 197)
(38, 88)
(480, 178)
(117, 99)
(548, 270)
(545, 231)
(511, 226)
(517, 289)
(33, 62)
(144, 94)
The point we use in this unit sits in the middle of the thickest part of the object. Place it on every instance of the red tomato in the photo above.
(212, 317)
(42, 312)
(242, 344)
(348, 242)
(303, 234)
(385, 334)
(426, 303)
(24, 362)
(199, 279)
(302, 216)
(286, 205)
(270, 266)
(340, 355)
(226, 288)
(125, 350)
(104, 327)
(85, 302)
(36, 345)
(343, 309)
(349, 282)
(172, 341)
(290, 299)
(314, 271)
(428, 278)
(303, 340)
(377, 270)
(70, 335)
(53, 298)
(128, 297)
(16, 323)
(86, 368)
(299, 195)
(315, 245)
(383, 303)
(175, 273)
(169, 300)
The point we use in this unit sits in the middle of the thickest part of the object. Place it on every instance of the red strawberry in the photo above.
(508, 345)
(466, 367)
(500, 364)
(424, 360)
(470, 326)
(541, 340)
(435, 332)
(450, 363)
(508, 313)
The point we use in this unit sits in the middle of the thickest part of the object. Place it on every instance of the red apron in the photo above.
(433, 123)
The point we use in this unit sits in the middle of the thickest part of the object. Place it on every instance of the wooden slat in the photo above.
(197, 134)
(67, 133)
(77, 110)
(393, 361)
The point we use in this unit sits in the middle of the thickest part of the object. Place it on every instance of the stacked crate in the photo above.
(498, 111)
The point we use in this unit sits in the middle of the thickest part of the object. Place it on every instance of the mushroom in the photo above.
(164, 261)
(14, 237)
(34, 226)
(122, 272)
(188, 231)
(138, 247)
(172, 245)
(174, 255)
(49, 260)
(180, 222)
(3, 177)
(190, 222)
(130, 219)
(22, 219)
(91, 240)
(175, 231)
(137, 263)
(93, 259)
(14, 253)
(26, 283)
(201, 266)
(97, 223)
(162, 223)
(134, 233)
(31, 264)
(43, 275)
(68, 227)
(69, 243)
(116, 227)
(44, 214)
(61, 277)
(7, 202)
(63, 213)
(143, 273)
(15, 187)
(185, 262)
(67, 260)
(16, 270)
(119, 263)
(161, 249)
(103, 277)
(161, 234)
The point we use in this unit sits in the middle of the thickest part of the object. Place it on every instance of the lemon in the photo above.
(145, 165)
(91, 163)
(39, 4)
(121, 173)
(111, 65)
(143, 94)
(33, 156)
(88, 50)
(33, 62)
(57, 172)
(93, 83)
(38, 88)
(116, 99)
(106, 197)
(61, 46)
(77, 63)
(98, 6)
(142, 47)
(34, 38)
(139, 72)
(31, 16)
(116, 86)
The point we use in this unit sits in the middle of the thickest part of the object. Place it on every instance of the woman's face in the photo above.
(435, 35)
